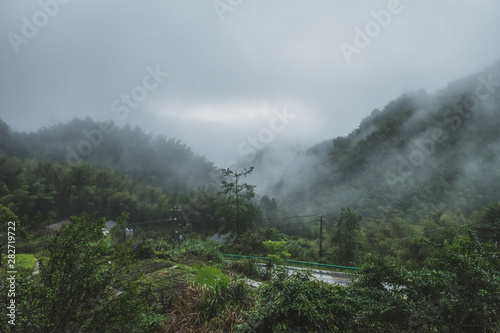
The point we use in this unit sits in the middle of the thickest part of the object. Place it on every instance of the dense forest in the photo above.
(153, 160)
(128, 170)
(411, 199)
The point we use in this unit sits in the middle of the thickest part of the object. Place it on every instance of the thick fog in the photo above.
(231, 78)
(421, 153)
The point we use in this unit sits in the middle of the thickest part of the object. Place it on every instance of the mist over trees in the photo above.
(73, 168)
(421, 153)
(153, 160)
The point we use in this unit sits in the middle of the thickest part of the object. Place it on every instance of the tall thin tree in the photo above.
(236, 191)
(346, 235)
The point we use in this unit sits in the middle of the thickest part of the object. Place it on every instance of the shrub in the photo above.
(143, 250)
(77, 287)
(298, 302)
(250, 243)
(457, 292)
(303, 249)
(215, 304)
(206, 251)
(206, 275)
(247, 267)
(276, 251)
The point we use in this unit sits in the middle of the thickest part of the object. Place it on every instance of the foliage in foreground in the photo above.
(215, 303)
(83, 286)
(458, 291)
(298, 303)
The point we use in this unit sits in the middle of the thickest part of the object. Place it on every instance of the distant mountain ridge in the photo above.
(153, 160)
(421, 153)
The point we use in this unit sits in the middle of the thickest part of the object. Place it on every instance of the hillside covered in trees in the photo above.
(421, 153)
(152, 160)
(68, 169)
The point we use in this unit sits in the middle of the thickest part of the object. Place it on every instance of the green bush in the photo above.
(80, 286)
(223, 294)
(247, 267)
(458, 291)
(206, 275)
(298, 302)
(205, 251)
(250, 243)
(276, 251)
(303, 249)
(143, 250)
(214, 303)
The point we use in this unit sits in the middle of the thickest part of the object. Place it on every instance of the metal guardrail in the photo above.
(305, 263)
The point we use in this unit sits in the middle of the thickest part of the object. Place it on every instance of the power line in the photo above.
(291, 217)
(190, 220)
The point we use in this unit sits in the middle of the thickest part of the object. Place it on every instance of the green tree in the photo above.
(276, 251)
(487, 222)
(472, 289)
(6, 216)
(298, 302)
(250, 243)
(456, 291)
(238, 194)
(346, 236)
(83, 285)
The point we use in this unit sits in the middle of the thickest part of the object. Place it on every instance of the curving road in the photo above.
(328, 276)
(339, 278)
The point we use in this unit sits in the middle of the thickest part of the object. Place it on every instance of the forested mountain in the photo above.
(83, 166)
(421, 153)
(151, 160)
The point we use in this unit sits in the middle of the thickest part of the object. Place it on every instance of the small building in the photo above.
(108, 226)
(55, 227)
(111, 224)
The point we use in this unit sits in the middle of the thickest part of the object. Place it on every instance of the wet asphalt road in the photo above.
(339, 278)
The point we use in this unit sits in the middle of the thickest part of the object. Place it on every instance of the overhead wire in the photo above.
(190, 220)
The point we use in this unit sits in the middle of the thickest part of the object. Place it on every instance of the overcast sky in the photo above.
(241, 73)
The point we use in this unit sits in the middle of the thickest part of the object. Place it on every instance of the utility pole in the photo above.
(320, 237)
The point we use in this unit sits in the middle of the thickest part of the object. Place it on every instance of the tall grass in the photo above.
(214, 303)
(203, 250)
(24, 265)
(207, 275)
(220, 291)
